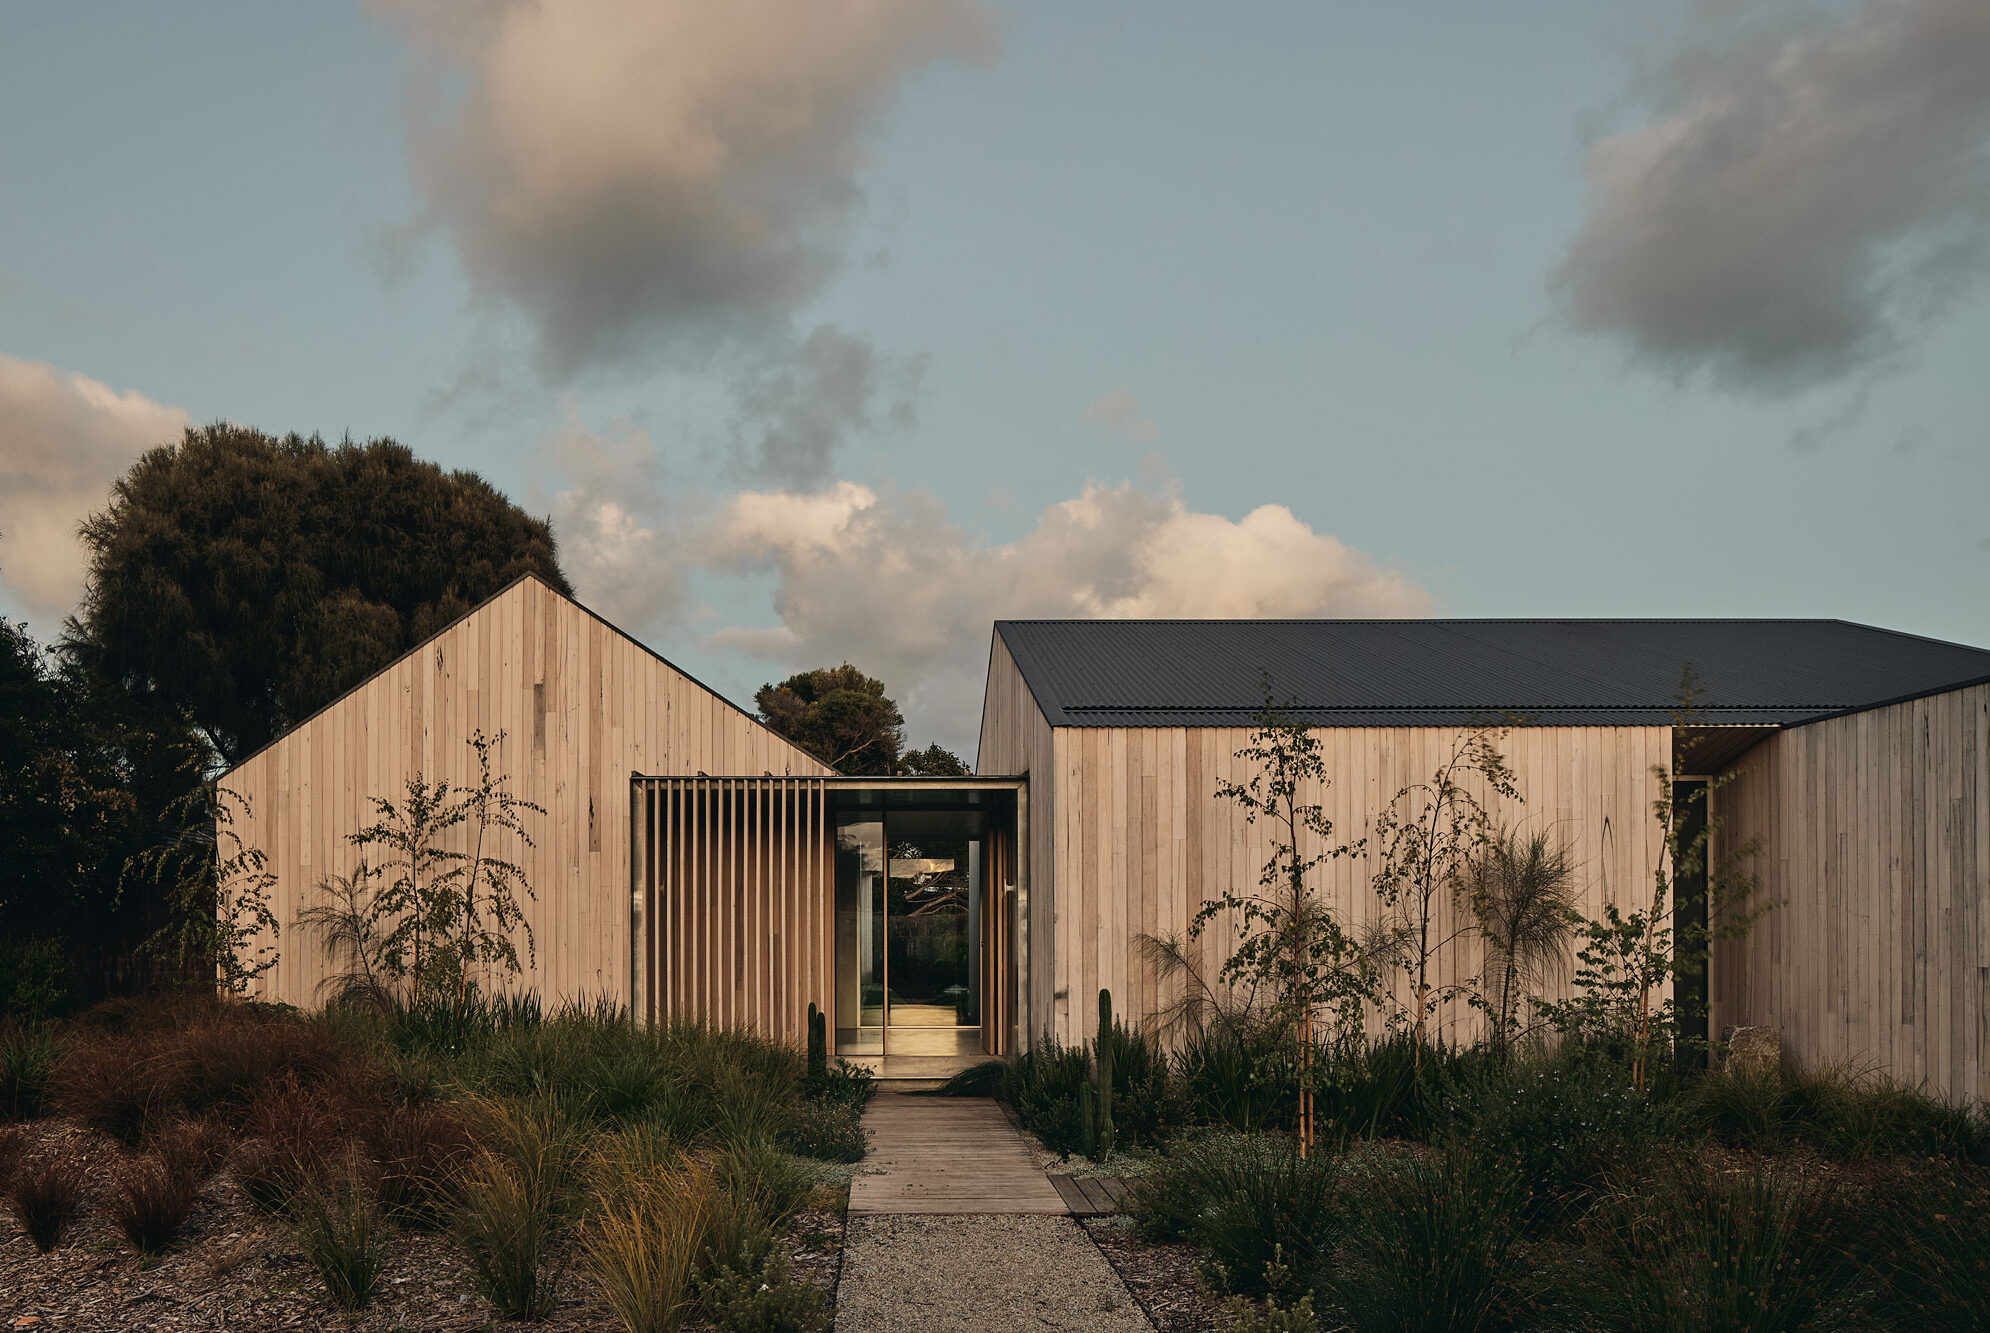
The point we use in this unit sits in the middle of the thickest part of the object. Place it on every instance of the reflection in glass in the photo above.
(860, 934)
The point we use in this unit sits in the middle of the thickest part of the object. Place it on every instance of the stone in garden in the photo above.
(1754, 1050)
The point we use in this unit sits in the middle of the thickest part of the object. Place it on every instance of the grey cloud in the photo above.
(641, 178)
(799, 400)
(1806, 198)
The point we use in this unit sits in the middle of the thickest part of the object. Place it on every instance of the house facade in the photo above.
(692, 864)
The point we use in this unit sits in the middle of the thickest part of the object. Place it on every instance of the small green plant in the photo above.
(764, 1298)
(343, 1237)
(45, 1195)
(827, 1131)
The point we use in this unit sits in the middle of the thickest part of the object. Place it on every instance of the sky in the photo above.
(834, 331)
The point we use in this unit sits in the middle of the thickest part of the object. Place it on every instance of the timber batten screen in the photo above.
(732, 902)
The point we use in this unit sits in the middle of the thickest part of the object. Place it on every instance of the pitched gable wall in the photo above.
(582, 706)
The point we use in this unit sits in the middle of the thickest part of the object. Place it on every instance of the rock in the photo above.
(1754, 1050)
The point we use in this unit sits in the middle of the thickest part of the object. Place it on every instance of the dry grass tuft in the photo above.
(45, 1196)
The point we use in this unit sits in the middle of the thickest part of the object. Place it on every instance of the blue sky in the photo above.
(1197, 259)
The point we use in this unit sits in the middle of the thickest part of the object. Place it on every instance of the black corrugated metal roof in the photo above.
(1172, 673)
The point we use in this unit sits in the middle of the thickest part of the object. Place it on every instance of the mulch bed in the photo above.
(1163, 1279)
(235, 1269)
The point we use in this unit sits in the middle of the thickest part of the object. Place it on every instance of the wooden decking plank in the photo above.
(947, 1155)
(1074, 1198)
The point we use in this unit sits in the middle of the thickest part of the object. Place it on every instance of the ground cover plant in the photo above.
(489, 1127)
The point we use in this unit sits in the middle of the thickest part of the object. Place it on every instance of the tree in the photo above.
(838, 714)
(243, 581)
(1426, 838)
(1289, 944)
(1629, 963)
(935, 761)
(1521, 888)
(427, 905)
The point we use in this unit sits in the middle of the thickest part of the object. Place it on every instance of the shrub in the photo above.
(28, 1057)
(37, 980)
(152, 1202)
(1042, 1084)
(828, 1131)
(1559, 1128)
(45, 1195)
(342, 1237)
(1237, 1074)
(1752, 1252)
(1267, 1216)
(516, 1197)
(1430, 1246)
(226, 1063)
(764, 1298)
(852, 1085)
(646, 1242)
(419, 1151)
(121, 1084)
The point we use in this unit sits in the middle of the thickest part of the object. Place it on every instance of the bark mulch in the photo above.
(235, 1269)
(1164, 1279)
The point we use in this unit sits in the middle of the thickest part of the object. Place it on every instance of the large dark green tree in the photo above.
(242, 581)
(844, 718)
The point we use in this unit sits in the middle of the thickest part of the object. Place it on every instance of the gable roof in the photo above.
(492, 600)
(1378, 673)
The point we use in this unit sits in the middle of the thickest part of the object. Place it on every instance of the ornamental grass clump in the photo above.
(1430, 1247)
(45, 1196)
(517, 1198)
(646, 1241)
(28, 1057)
(151, 1203)
(1268, 1217)
(420, 1152)
(1754, 1251)
(344, 1236)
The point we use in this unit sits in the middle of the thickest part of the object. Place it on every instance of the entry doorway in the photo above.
(909, 913)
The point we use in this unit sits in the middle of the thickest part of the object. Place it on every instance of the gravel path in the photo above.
(978, 1274)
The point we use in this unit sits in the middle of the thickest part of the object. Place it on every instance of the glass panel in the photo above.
(931, 980)
(860, 935)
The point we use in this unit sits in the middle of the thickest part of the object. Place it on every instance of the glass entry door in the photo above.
(907, 890)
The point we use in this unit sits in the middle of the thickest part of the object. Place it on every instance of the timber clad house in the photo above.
(693, 864)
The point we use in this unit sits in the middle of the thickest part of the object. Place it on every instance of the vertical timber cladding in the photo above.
(735, 895)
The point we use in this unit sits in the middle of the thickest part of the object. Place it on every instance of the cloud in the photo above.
(636, 176)
(610, 518)
(1807, 197)
(64, 438)
(1121, 412)
(799, 402)
(889, 581)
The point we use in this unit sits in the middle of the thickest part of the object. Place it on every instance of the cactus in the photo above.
(818, 1044)
(1105, 1047)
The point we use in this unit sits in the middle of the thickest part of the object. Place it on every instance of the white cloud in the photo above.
(64, 438)
(635, 174)
(1813, 188)
(1120, 412)
(889, 581)
(608, 510)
